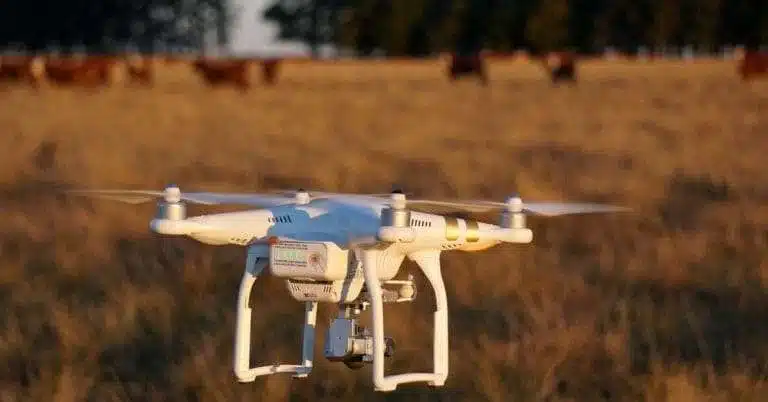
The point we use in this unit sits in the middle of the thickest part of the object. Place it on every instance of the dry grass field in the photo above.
(668, 303)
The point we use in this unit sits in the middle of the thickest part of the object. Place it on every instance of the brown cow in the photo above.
(753, 64)
(561, 66)
(140, 69)
(269, 69)
(89, 71)
(223, 71)
(464, 65)
(29, 69)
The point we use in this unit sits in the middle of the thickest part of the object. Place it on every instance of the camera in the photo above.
(351, 344)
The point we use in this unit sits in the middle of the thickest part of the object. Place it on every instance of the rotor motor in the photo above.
(171, 207)
(396, 220)
(395, 214)
(513, 216)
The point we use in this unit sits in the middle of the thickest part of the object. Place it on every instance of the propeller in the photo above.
(396, 200)
(515, 204)
(324, 194)
(547, 208)
(172, 194)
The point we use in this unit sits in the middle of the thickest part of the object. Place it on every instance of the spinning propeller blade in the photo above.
(324, 194)
(127, 196)
(514, 203)
(547, 208)
(173, 194)
(557, 209)
(536, 208)
(286, 197)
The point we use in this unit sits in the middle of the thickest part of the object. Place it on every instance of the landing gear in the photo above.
(350, 343)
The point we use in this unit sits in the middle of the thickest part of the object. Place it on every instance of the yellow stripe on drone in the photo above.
(452, 231)
(473, 233)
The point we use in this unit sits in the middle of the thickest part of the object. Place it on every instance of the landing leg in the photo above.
(373, 263)
(308, 346)
(242, 366)
(243, 329)
(429, 262)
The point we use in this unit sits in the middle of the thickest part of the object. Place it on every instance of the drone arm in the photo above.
(242, 367)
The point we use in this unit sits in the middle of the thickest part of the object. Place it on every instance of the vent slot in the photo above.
(280, 219)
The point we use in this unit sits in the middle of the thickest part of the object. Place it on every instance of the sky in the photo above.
(251, 34)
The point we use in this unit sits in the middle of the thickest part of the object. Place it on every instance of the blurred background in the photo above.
(657, 105)
(377, 27)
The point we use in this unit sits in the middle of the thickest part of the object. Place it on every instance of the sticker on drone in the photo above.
(316, 262)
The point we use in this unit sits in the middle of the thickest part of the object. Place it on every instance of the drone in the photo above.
(344, 249)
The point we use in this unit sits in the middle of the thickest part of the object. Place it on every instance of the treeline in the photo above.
(391, 27)
(422, 27)
(109, 25)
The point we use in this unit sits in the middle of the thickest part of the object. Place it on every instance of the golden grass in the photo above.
(667, 303)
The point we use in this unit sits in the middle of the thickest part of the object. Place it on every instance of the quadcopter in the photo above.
(344, 249)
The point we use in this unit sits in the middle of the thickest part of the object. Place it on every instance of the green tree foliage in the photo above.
(665, 23)
(107, 25)
(421, 27)
(394, 27)
(547, 28)
(314, 22)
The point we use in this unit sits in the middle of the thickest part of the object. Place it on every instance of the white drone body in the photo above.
(343, 249)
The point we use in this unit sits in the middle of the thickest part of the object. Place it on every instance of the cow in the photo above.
(269, 69)
(89, 71)
(223, 71)
(561, 66)
(140, 69)
(753, 64)
(466, 65)
(28, 69)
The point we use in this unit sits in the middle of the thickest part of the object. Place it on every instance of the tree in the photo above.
(314, 22)
(422, 27)
(102, 25)
(547, 28)
(665, 23)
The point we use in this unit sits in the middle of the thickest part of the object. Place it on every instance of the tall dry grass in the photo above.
(665, 304)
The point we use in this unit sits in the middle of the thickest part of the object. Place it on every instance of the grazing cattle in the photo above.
(269, 69)
(464, 65)
(140, 69)
(224, 72)
(753, 64)
(83, 71)
(561, 67)
(29, 69)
